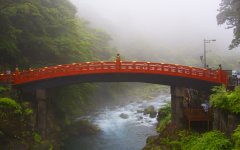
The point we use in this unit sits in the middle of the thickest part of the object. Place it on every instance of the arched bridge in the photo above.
(116, 71)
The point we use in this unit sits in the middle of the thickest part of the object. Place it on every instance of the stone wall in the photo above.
(225, 121)
(182, 98)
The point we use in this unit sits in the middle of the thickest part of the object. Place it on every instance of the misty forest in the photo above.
(119, 75)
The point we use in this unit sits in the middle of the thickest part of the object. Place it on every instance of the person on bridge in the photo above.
(118, 61)
(238, 78)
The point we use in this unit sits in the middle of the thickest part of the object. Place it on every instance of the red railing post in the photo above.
(148, 66)
(190, 71)
(206, 73)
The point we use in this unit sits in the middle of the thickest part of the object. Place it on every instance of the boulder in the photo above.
(151, 111)
(124, 116)
(140, 118)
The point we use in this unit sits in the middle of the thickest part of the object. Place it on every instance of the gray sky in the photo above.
(158, 25)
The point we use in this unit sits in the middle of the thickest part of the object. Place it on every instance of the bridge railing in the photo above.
(170, 69)
(6, 78)
(115, 67)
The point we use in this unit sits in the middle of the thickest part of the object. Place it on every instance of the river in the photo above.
(118, 133)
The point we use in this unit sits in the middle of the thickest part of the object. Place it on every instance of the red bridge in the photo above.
(35, 82)
(116, 71)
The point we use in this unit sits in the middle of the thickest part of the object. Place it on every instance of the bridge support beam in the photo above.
(41, 97)
(177, 96)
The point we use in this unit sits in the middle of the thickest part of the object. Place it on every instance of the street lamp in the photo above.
(204, 51)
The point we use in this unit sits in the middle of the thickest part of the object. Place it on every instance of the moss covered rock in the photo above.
(151, 111)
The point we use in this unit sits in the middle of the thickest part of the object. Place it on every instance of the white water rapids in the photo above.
(118, 133)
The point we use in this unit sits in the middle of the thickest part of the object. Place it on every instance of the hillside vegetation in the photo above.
(38, 33)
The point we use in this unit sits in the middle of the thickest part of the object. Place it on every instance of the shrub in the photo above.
(226, 100)
(220, 97)
(236, 138)
(213, 140)
(9, 107)
(234, 101)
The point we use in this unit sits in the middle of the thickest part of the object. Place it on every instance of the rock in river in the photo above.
(124, 116)
(151, 111)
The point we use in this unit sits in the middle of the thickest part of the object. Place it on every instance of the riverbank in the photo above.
(170, 137)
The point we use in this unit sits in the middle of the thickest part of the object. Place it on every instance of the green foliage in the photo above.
(3, 89)
(46, 32)
(187, 139)
(164, 117)
(28, 111)
(37, 137)
(213, 140)
(10, 110)
(9, 107)
(220, 97)
(38, 33)
(16, 123)
(6, 91)
(171, 144)
(229, 13)
(164, 111)
(51, 147)
(236, 138)
(164, 122)
(234, 100)
(226, 100)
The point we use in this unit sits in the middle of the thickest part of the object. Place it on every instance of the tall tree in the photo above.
(229, 13)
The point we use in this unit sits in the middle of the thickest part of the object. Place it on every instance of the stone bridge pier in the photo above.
(187, 108)
(177, 96)
(41, 99)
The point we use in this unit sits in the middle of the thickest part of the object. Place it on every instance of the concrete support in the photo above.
(41, 111)
(177, 96)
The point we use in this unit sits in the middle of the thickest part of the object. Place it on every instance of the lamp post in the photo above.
(204, 51)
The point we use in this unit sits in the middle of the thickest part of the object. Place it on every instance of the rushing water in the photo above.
(118, 133)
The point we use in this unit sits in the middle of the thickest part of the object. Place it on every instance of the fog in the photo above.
(169, 31)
